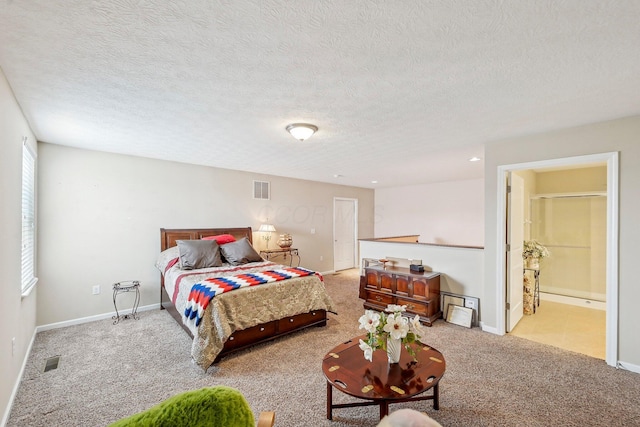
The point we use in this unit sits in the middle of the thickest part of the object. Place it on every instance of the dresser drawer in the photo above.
(291, 323)
(421, 308)
(379, 298)
(250, 335)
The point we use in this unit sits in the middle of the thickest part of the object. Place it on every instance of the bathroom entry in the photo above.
(548, 177)
(574, 228)
(568, 215)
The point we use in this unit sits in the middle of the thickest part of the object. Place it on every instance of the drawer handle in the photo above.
(378, 298)
(411, 306)
(313, 313)
(291, 320)
(261, 329)
(230, 338)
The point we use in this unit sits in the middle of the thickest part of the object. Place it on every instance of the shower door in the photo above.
(573, 228)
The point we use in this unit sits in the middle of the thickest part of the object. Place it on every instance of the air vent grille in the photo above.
(261, 190)
(51, 363)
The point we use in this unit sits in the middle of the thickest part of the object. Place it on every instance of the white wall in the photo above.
(101, 214)
(582, 180)
(622, 136)
(17, 314)
(449, 213)
(462, 269)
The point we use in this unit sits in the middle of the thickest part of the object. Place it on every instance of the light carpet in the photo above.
(111, 371)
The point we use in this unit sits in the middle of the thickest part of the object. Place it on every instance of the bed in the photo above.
(243, 317)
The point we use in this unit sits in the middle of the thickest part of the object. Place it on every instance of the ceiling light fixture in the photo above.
(475, 159)
(301, 131)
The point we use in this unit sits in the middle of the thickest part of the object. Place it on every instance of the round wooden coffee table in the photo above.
(379, 382)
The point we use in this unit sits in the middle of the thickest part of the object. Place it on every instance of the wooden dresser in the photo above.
(420, 292)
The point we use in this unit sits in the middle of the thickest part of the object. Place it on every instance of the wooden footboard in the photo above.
(247, 337)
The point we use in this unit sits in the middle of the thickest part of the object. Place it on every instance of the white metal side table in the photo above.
(123, 287)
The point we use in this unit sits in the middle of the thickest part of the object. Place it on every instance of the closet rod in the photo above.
(569, 195)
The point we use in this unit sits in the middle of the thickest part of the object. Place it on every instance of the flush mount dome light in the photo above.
(301, 131)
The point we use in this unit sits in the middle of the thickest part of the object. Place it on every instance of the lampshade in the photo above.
(301, 131)
(267, 228)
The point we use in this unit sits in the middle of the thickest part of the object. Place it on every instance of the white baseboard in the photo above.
(580, 302)
(489, 329)
(16, 386)
(629, 367)
(327, 273)
(89, 319)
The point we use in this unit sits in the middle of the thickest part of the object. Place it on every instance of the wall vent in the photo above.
(261, 190)
(51, 363)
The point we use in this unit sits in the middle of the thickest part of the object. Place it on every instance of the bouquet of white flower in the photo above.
(389, 332)
(534, 249)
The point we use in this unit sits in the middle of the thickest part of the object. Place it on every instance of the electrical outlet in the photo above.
(321, 258)
(313, 231)
(470, 303)
(96, 289)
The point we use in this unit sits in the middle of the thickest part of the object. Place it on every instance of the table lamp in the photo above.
(267, 229)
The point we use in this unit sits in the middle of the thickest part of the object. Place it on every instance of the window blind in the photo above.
(28, 217)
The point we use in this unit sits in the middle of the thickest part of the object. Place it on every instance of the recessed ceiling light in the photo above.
(337, 175)
(374, 182)
(475, 159)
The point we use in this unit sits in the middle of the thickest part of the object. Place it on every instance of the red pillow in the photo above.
(221, 239)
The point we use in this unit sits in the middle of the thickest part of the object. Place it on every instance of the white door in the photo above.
(344, 233)
(515, 237)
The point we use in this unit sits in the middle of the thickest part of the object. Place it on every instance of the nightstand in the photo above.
(268, 254)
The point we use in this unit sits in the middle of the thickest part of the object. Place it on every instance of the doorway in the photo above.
(611, 161)
(572, 226)
(345, 233)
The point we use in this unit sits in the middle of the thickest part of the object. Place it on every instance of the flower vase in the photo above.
(394, 375)
(533, 263)
(394, 347)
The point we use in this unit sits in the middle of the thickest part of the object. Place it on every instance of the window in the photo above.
(29, 278)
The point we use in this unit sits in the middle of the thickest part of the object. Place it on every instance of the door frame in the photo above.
(513, 257)
(612, 160)
(355, 230)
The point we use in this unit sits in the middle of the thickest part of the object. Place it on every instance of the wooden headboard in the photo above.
(168, 236)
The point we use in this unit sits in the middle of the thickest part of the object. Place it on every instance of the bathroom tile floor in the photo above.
(570, 327)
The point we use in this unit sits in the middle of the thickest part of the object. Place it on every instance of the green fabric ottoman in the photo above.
(218, 406)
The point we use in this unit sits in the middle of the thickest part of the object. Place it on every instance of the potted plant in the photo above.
(532, 252)
(390, 331)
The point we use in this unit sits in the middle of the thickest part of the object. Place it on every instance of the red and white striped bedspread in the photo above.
(202, 293)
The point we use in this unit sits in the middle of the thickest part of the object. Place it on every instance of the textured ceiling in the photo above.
(404, 92)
